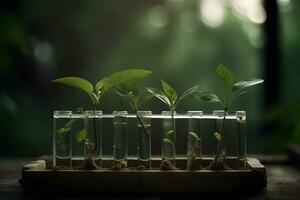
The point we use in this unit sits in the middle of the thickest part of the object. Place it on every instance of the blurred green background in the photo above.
(181, 41)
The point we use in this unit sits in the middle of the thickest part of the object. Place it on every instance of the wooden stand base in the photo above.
(35, 177)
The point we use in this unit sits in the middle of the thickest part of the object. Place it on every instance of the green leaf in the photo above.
(128, 76)
(142, 99)
(225, 74)
(76, 82)
(102, 84)
(64, 130)
(168, 141)
(193, 134)
(70, 122)
(130, 96)
(160, 95)
(169, 91)
(81, 135)
(206, 96)
(246, 84)
(217, 136)
(240, 94)
(169, 133)
(188, 92)
(145, 97)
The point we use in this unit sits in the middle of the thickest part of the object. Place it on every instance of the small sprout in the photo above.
(169, 133)
(95, 92)
(81, 135)
(166, 165)
(168, 141)
(67, 127)
(225, 74)
(194, 135)
(217, 136)
(63, 130)
(232, 91)
(83, 85)
(169, 96)
(123, 164)
(122, 84)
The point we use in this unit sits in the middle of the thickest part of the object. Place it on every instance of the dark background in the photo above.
(181, 41)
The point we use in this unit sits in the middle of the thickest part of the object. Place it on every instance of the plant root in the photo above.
(192, 163)
(218, 165)
(166, 165)
(116, 167)
(119, 165)
(141, 167)
(88, 164)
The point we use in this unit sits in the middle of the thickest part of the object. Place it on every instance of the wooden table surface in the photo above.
(283, 183)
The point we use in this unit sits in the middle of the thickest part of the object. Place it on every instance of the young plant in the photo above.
(121, 83)
(194, 146)
(232, 91)
(66, 129)
(122, 86)
(169, 97)
(95, 93)
(135, 98)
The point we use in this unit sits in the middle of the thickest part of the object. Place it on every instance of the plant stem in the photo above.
(174, 130)
(221, 143)
(143, 127)
(95, 132)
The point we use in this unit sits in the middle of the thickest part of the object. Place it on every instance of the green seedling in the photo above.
(124, 87)
(95, 93)
(62, 132)
(232, 91)
(194, 146)
(169, 96)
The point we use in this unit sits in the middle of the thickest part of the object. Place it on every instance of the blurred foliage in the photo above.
(43, 40)
(285, 116)
(287, 131)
